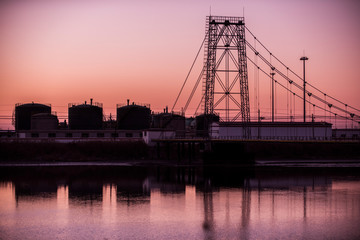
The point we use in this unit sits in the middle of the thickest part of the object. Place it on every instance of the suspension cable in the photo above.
(283, 86)
(177, 98)
(292, 82)
(309, 84)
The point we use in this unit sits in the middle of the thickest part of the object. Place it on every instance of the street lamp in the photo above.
(304, 59)
(272, 103)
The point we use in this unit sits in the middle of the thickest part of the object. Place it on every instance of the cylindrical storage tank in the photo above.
(156, 121)
(203, 122)
(170, 121)
(190, 123)
(23, 113)
(133, 117)
(85, 116)
(44, 121)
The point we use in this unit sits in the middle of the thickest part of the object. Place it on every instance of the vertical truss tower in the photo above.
(225, 38)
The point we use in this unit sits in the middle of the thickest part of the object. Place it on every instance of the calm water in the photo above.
(124, 202)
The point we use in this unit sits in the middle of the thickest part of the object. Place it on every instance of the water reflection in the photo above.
(178, 203)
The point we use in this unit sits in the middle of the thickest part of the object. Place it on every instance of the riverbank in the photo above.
(176, 151)
(72, 152)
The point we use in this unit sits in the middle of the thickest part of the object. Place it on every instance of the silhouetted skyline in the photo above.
(69, 51)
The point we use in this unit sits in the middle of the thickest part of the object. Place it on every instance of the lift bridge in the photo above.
(225, 90)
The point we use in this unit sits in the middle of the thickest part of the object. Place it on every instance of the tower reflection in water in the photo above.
(174, 202)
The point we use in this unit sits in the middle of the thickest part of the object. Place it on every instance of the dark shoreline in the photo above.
(232, 152)
(219, 175)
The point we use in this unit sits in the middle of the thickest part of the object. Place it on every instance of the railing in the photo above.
(172, 112)
(19, 104)
(310, 139)
(230, 19)
(133, 104)
(100, 105)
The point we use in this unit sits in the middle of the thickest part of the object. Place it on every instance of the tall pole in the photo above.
(304, 59)
(272, 99)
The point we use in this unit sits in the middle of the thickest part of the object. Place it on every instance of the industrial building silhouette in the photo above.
(137, 122)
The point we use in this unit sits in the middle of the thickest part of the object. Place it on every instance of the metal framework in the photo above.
(226, 36)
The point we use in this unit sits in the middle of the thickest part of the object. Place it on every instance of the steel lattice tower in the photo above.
(224, 37)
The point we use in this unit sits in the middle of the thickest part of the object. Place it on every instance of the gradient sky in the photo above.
(63, 51)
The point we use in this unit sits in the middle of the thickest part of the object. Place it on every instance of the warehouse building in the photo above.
(272, 130)
(66, 135)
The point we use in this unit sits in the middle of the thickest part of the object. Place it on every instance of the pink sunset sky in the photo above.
(64, 51)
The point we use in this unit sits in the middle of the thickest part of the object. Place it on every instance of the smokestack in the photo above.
(167, 109)
(85, 102)
(128, 102)
(91, 101)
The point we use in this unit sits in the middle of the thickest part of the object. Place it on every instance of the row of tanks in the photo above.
(84, 116)
(89, 116)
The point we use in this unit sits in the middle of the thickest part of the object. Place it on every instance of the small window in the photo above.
(34, 135)
(355, 136)
(114, 135)
(68, 135)
(129, 135)
(51, 135)
(100, 135)
(85, 135)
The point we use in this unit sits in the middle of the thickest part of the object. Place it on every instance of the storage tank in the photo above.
(23, 113)
(133, 116)
(85, 116)
(203, 122)
(190, 123)
(44, 121)
(170, 121)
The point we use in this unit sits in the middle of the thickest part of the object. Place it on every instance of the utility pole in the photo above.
(304, 59)
(272, 99)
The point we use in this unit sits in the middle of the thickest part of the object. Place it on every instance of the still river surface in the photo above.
(167, 202)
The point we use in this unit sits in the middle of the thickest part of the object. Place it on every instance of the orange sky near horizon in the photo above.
(60, 52)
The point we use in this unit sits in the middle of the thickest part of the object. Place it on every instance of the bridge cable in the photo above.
(283, 86)
(309, 84)
(292, 82)
(177, 98)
